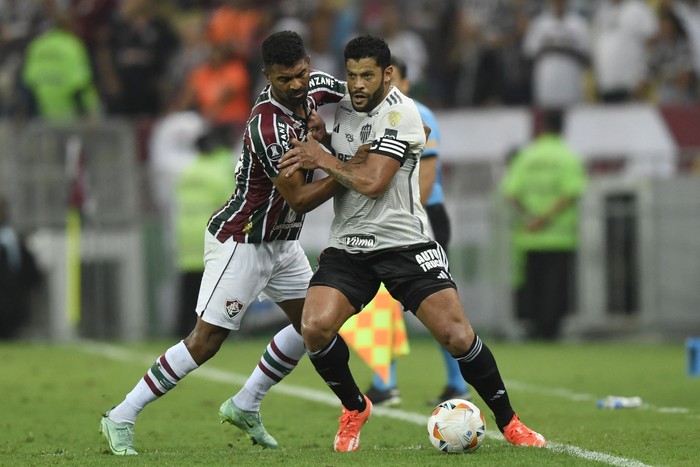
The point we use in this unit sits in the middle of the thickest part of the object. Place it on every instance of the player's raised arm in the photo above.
(303, 197)
(367, 173)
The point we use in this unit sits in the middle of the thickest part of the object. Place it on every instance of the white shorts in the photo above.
(236, 274)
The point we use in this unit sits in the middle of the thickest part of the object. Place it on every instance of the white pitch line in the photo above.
(578, 397)
(300, 392)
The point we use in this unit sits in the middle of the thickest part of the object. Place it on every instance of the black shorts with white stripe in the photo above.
(410, 274)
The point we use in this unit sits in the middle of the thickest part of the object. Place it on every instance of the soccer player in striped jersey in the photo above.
(251, 248)
(380, 234)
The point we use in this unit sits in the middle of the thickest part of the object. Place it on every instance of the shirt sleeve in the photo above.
(432, 144)
(325, 89)
(399, 132)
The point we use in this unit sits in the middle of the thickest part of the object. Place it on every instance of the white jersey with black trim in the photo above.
(396, 218)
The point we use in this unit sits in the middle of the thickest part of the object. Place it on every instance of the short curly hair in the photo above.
(283, 48)
(367, 46)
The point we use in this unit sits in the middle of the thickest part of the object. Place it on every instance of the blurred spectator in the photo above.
(436, 24)
(290, 16)
(90, 20)
(485, 55)
(20, 22)
(558, 43)
(671, 62)
(544, 182)
(171, 149)
(320, 40)
(515, 85)
(346, 25)
(134, 57)
(238, 23)
(688, 12)
(58, 74)
(19, 276)
(407, 45)
(622, 31)
(219, 89)
(463, 61)
(194, 51)
(202, 187)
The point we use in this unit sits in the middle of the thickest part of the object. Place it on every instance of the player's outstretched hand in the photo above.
(303, 155)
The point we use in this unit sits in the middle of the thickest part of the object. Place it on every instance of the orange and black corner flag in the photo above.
(378, 333)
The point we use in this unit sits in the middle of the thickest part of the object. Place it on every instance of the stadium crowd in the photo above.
(139, 59)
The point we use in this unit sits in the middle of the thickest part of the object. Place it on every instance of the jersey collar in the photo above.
(288, 112)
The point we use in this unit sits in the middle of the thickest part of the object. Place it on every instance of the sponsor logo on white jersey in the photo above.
(361, 241)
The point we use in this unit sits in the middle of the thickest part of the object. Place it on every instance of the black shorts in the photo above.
(410, 274)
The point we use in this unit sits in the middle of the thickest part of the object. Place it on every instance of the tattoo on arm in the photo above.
(343, 170)
(339, 173)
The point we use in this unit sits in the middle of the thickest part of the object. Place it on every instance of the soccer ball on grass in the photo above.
(456, 425)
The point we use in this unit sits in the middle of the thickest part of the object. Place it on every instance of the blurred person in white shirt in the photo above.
(622, 31)
(558, 43)
(688, 12)
(671, 62)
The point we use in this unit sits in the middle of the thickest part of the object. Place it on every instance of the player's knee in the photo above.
(316, 334)
(457, 340)
(204, 342)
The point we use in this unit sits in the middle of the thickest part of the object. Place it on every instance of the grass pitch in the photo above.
(52, 396)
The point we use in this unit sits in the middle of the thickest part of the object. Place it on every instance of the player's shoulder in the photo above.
(320, 81)
(321, 78)
(267, 122)
(399, 107)
(397, 99)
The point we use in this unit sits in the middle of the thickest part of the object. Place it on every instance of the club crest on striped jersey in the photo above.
(233, 307)
(365, 132)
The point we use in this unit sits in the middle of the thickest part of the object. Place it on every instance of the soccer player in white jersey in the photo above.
(379, 234)
(251, 249)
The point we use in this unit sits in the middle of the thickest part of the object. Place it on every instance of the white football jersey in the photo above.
(396, 218)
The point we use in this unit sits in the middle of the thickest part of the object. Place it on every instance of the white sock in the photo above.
(170, 368)
(280, 357)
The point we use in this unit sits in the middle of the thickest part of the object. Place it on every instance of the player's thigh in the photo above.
(412, 274)
(348, 274)
(290, 274)
(443, 315)
(234, 275)
(293, 309)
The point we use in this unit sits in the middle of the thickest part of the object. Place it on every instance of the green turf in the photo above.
(52, 396)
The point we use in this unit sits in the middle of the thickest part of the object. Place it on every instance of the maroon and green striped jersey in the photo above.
(257, 212)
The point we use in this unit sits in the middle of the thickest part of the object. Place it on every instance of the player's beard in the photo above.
(372, 101)
(298, 99)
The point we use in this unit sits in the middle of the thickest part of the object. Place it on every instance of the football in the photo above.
(456, 425)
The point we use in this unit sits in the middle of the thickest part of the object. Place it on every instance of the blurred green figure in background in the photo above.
(544, 182)
(58, 75)
(201, 188)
